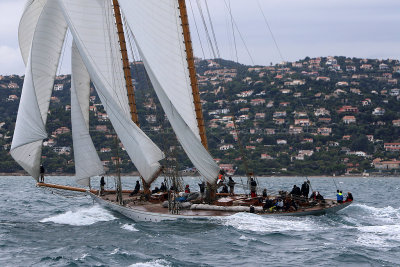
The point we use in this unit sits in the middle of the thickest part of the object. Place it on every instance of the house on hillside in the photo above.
(392, 146)
(349, 109)
(349, 119)
(378, 111)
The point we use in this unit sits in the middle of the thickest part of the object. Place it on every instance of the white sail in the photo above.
(45, 50)
(27, 25)
(87, 161)
(93, 28)
(158, 34)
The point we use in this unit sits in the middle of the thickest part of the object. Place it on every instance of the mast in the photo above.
(128, 80)
(192, 72)
(125, 62)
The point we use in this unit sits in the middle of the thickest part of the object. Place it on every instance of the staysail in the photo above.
(158, 34)
(45, 47)
(92, 26)
(87, 161)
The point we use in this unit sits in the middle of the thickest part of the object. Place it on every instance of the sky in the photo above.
(354, 28)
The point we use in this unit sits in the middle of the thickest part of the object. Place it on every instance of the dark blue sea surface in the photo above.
(40, 227)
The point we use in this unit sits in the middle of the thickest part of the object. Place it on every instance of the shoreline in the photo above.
(21, 174)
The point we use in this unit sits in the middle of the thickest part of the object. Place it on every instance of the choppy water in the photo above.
(44, 229)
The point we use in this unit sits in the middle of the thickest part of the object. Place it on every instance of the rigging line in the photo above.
(206, 29)
(230, 107)
(270, 31)
(233, 31)
(212, 29)
(240, 34)
(197, 29)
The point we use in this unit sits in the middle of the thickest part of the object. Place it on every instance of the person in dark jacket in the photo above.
(41, 173)
(102, 184)
(349, 197)
(163, 188)
(264, 194)
(202, 187)
(224, 189)
(295, 191)
(253, 187)
(136, 190)
(231, 185)
(305, 189)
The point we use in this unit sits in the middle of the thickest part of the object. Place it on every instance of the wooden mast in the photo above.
(128, 77)
(192, 72)
(195, 87)
(125, 62)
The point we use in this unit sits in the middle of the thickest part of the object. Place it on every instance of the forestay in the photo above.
(87, 161)
(92, 26)
(158, 34)
(44, 47)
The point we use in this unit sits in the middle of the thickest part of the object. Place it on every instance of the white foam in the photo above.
(129, 227)
(256, 223)
(386, 214)
(243, 237)
(379, 236)
(83, 216)
(153, 263)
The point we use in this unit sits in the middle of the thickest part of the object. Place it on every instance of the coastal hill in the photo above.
(316, 116)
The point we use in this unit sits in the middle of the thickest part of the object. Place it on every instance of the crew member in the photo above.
(163, 188)
(253, 187)
(202, 189)
(221, 177)
(41, 173)
(231, 185)
(339, 196)
(136, 190)
(349, 197)
(102, 184)
(187, 189)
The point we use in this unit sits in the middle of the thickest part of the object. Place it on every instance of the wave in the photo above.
(81, 217)
(386, 214)
(257, 223)
(379, 236)
(153, 263)
(129, 227)
(376, 228)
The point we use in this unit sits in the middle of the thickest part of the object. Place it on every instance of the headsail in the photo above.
(87, 161)
(91, 24)
(158, 33)
(42, 62)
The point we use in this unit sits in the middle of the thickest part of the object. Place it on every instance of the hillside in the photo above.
(310, 117)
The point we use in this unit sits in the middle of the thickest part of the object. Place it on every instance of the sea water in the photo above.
(41, 227)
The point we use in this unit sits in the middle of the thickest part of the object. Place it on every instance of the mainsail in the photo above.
(44, 46)
(87, 161)
(158, 34)
(92, 26)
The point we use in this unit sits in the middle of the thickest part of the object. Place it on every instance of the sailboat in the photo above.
(99, 55)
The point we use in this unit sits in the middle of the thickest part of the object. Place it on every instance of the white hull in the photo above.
(140, 215)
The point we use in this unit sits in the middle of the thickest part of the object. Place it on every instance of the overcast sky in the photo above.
(355, 28)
